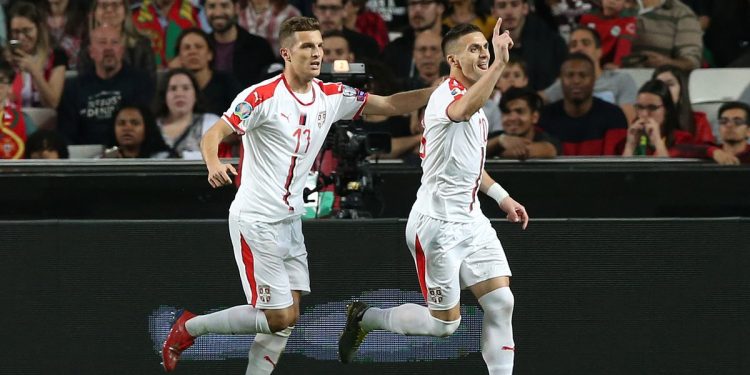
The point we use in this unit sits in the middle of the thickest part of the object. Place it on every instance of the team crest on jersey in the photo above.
(455, 91)
(264, 293)
(243, 110)
(436, 295)
(321, 119)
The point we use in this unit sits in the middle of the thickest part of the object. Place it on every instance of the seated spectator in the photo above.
(514, 75)
(195, 53)
(520, 138)
(423, 15)
(330, 13)
(264, 18)
(239, 53)
(428, 60)
(89, 102)
(163, 21)
(667, 33)
(695, 123)
(135, 134)
(611, 86)
(734, 130)
(41, 69)
(542, 48)
(66, 23)
(362, 20)
(46, 144)
(116, 14)
(336, 47)
(14, 125)
(467, 11)
(585, 125)
(179, 113)
(616, 28)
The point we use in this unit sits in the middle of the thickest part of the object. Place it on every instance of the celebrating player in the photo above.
(452, 242)
(283, 122)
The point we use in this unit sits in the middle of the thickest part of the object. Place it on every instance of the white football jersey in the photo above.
(452, 158)
(281, 136)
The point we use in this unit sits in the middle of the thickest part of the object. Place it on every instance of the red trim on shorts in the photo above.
(288, 182)
(421, 270)
(476, 184)
(247, 260)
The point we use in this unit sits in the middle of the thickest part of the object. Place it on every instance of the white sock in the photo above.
(408, 319)
(243, 319)
(265, 352)
(498, 347)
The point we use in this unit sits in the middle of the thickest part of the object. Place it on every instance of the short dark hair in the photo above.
(457, 32)
(516, 60)
(297, 24)
(46, 140)
(7, 69)
(196, 31)
(594, 34)
(579, 56)
(526, 94)
(735, 105)
(335, 33)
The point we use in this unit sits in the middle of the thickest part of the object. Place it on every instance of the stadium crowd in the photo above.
(145, 79)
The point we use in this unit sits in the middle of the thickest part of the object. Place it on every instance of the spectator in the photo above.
(611, 86)
(520, 137)
(89, 102)
(360, 19)
(135, 134)
(195, 53)
(239, 53)
(667, 33)
(330, 13)
(585, 125)
(467, 11)
(734, 131)
(514, 75)
(66, 22)
(695, 123)
(423, 15)
(336, 47)
(428, 60)
(616, 28)
(41, 69)
(116, 14)
(46, 144)
(14, 125)
(179, 113)
(264, 17)
(542, 48)
(163, 21)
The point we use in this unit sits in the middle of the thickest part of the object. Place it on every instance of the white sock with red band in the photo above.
(265, 352)
(407, 319)
(498, 348)
(243, 319)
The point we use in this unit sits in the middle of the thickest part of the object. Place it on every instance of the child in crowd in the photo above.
(616, 26)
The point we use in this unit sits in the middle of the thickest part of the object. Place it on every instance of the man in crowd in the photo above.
(336, 47)
(424, 15)
(734, 131)
(428, 59)
(330, 13)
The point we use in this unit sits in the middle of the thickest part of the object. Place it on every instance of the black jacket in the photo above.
(252, 54)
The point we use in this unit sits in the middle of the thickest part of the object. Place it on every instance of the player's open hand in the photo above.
(218, 175)
(516, 212)
(501, 43)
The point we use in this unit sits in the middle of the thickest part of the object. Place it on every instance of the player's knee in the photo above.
(280, 320)
(442, 328)
(500, 300)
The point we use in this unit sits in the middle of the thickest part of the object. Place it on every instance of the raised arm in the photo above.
(218, 173)
(397, 104)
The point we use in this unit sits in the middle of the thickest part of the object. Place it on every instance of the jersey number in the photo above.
(299, 134)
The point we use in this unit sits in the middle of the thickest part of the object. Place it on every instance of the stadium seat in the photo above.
(44, 118)
(640, 75)
(718, 84)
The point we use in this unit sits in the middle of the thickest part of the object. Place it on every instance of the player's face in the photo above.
(129, 128)
(306, 54)
(336, 48)
(474, 58)
(180, 94)
(513, 12)
(513, 76)
(734, 125)
(519, 119)
(582, 41)
(577, 79)
(220, 14)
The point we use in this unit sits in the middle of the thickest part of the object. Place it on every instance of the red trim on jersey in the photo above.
(295, 96)
(330, 88)
(421, 271)
(362, 108)
(454, 84)
(254, 98)
(288, 182)
(476, 184)
(238, 179)
(249, 262)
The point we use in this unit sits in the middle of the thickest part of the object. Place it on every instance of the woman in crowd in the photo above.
(66, 24)
(179, 113)
(41, 69)
(116, 13)
(264, 18)
(136, 135)
(695, 123)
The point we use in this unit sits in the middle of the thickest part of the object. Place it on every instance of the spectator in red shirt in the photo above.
(616, 29)
(695, 123)
(358, 18)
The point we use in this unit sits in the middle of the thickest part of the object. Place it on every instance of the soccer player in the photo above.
(452, 242)
(283, 122)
